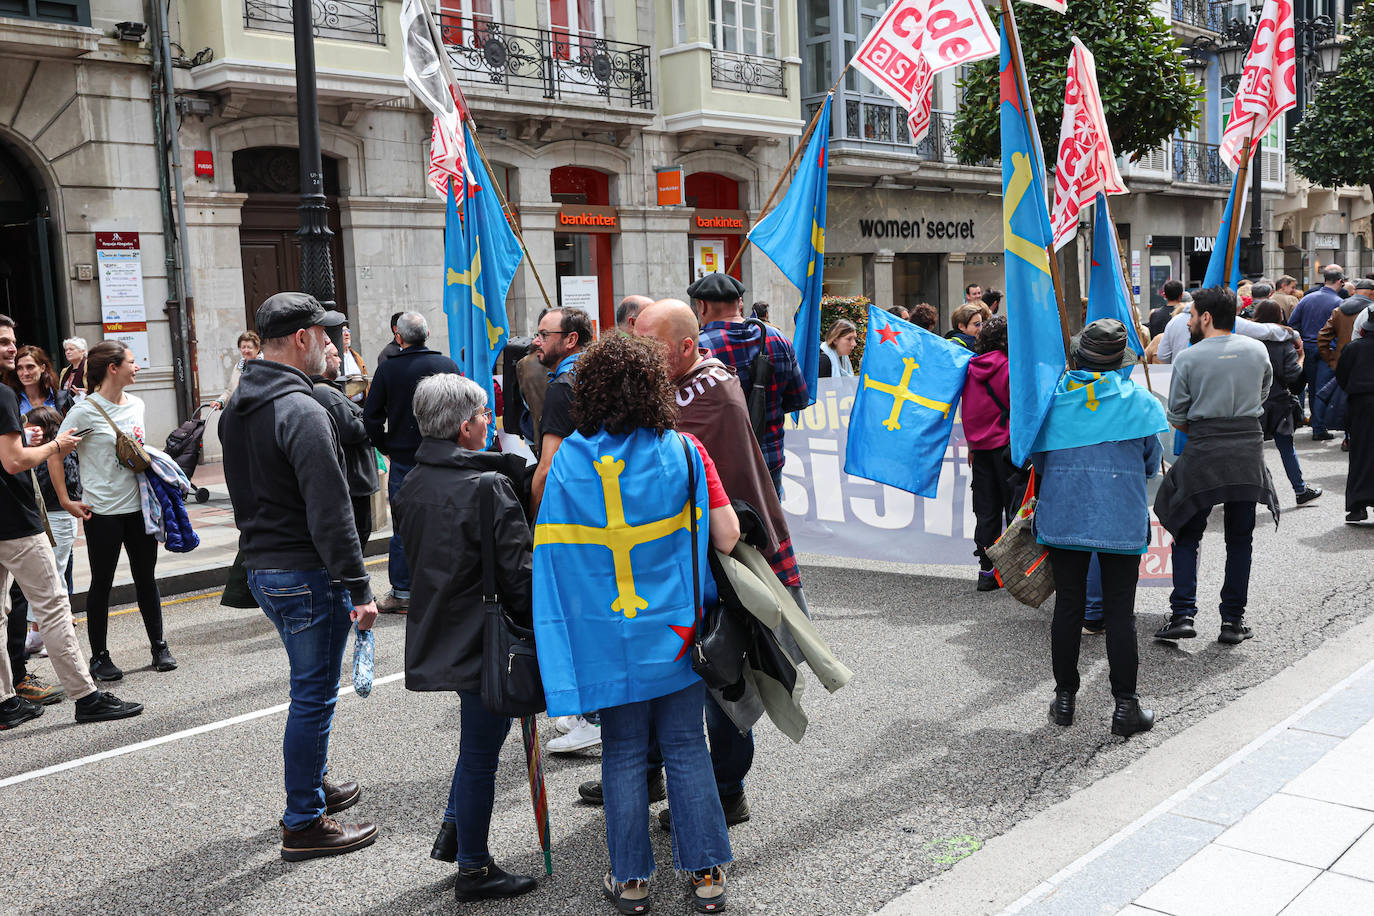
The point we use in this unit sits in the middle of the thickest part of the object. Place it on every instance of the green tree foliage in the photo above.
(1147, 93)
(1331, 145)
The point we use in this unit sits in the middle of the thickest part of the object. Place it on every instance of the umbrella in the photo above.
(537, 794)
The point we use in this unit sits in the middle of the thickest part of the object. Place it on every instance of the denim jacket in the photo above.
(1093, 497)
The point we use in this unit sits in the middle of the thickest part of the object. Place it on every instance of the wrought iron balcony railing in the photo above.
(553, 63)
(346, 20)
(748, 73)
(1205, 14)
(871, 123)
(1199, 163)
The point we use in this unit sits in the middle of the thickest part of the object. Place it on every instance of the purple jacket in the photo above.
(987, 397)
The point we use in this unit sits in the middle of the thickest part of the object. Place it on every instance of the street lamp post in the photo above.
(317, 269)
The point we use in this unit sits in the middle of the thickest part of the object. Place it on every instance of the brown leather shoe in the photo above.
(390, 604)
(325, 837)
(340, 795)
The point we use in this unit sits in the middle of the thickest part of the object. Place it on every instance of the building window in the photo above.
(462, 20)
(745, 26)
(577, 18)
(69, 12)
(680, 22)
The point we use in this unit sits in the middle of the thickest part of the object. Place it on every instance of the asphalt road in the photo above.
(939, 743)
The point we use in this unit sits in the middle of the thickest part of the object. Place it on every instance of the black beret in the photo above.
(716, 288)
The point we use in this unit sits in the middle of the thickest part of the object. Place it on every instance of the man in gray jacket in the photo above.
(284, 470)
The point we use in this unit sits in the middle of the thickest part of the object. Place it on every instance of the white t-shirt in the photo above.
(109, 487)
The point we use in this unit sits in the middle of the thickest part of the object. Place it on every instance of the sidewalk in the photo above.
(1286, 827)
(205, 567)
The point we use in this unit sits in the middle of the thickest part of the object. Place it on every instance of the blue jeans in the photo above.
(1235, 589)
(473, 791)
(732, 751)
(1290, 461)
(698, 825)
(1092, 611)
(398, 570)
(311, 616)
(1316, 373)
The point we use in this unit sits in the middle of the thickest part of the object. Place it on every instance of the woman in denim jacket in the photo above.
(1094, 452)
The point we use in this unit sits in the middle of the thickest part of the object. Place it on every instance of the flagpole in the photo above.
(787, 170)
(1233, 230)
(461, 102)
(1014, 48)
(1121, 269)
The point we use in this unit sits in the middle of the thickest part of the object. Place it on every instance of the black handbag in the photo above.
(511, 685)
(760, 379)
(720, 639)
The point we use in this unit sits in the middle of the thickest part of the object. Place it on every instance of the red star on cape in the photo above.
(685, 634)
(888, 335)
(1007, 87)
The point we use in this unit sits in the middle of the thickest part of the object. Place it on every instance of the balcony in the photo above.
(343, 20)
(871, 125)
(747, 73)
(1201, 14)
(554, 63)
(1199, 163)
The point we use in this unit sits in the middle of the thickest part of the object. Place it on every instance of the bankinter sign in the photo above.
(589, 219)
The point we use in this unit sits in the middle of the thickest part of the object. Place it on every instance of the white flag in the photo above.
(1058, 6)
(915, 40)
(1268, 84)
(430, 80)
(1086, 163)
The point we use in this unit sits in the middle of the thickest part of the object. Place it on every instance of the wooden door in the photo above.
(271, 254)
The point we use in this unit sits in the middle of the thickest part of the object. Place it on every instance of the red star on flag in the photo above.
(888, 335)
(1008, 87)
(685, 634)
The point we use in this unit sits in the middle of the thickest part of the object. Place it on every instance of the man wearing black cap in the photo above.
(720, 304)
(284, 469)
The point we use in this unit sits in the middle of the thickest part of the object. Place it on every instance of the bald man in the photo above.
(628, 311)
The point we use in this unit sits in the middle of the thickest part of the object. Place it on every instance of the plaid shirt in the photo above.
(736, 344)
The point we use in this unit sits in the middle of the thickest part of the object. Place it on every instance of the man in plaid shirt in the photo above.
(719, 299)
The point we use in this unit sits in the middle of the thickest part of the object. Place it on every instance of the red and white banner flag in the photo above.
(1268, 85)
(432, 82)
(446, 157)
(1058, 6)
(1086, 163)
(915, 40)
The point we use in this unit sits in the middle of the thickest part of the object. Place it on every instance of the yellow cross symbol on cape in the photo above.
(1024, 248)
(469, 279)
(901, 393)
(619, 536)
(1071, 385)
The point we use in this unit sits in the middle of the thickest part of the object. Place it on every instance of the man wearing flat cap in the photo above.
(285, 473)
(719, 301)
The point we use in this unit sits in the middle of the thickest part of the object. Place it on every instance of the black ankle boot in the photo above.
(490, 883)
(1061, 710)
(1129, 718)
(446, 843)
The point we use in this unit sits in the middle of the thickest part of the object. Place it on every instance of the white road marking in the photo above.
(167, 739)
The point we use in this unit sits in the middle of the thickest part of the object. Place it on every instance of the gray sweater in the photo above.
(1218, 377)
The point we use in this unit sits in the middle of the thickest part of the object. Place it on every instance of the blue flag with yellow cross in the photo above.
(481, 256)
(1090, 408)
(613, 598)
(793, 237)
(909, 387)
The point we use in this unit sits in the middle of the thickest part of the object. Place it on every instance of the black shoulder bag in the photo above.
(511, 685)
(760, 378)
(719, 641)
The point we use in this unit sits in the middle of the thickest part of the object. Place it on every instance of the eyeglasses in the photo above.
(545, 335)
(485, 413)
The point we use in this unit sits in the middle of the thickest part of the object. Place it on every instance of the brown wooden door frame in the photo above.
(271, 221)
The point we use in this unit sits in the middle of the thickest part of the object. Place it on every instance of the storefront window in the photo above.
(844, 275)
(582, 255)
(718, 224)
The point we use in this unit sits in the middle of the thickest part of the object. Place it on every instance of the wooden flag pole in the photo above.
(787, 170)
(1233, 232)
(1121, 268)
(1014, 47)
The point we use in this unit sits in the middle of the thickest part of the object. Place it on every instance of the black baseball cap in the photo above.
(286, 313)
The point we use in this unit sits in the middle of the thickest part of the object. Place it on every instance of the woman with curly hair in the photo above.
(985, 411)
(616, 580)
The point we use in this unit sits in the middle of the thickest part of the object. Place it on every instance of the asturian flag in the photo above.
(1035, 343)
(1234, 212)
(1086, 166)
(1094, 407)
(1108, 296)
(909, 390)
(617, 510)
(481, 256)
(792, 235)
(1268, 84)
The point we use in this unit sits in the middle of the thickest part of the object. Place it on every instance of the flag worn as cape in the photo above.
(909, 389)
(792, 235)
(481, 256)
(1094, 407)
(1108, 296)
(613, 608)
(1216, 264)
(1035, 343)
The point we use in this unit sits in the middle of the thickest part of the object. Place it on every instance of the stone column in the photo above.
(883, 279)
(537, 222)
(951, 285)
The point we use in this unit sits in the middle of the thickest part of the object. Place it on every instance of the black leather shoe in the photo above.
(340, 795)
(1234, 632)
(1308, 494)
(103, 706)
(590, 791)
(16, 711)
(1061, 710)
(987, 581)
(162, 657)
(1178, 627)
(736, 808)
(446, 843)
(1129, 718)
(103, 669)
(1322, 437)
(490, 883)
(1357, 515)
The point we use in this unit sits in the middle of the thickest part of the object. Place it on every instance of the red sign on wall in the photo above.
(205, 164)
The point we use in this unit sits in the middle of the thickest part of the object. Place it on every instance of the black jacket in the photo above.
(360, 467)
(436, 514)
(390, 350)
(1355, 368)
(284, 470)
(387, 412)
(1278, 415)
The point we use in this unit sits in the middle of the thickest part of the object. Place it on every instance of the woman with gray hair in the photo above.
(73, 378)
(437, 515)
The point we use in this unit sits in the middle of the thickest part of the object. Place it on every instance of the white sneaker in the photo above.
(33, 644)
(565, 724)
(585, 735)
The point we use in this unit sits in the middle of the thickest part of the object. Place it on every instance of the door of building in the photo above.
(28, 288)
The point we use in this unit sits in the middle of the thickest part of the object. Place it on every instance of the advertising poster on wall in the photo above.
(581, 293)
(708, 257)
(123, 315)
